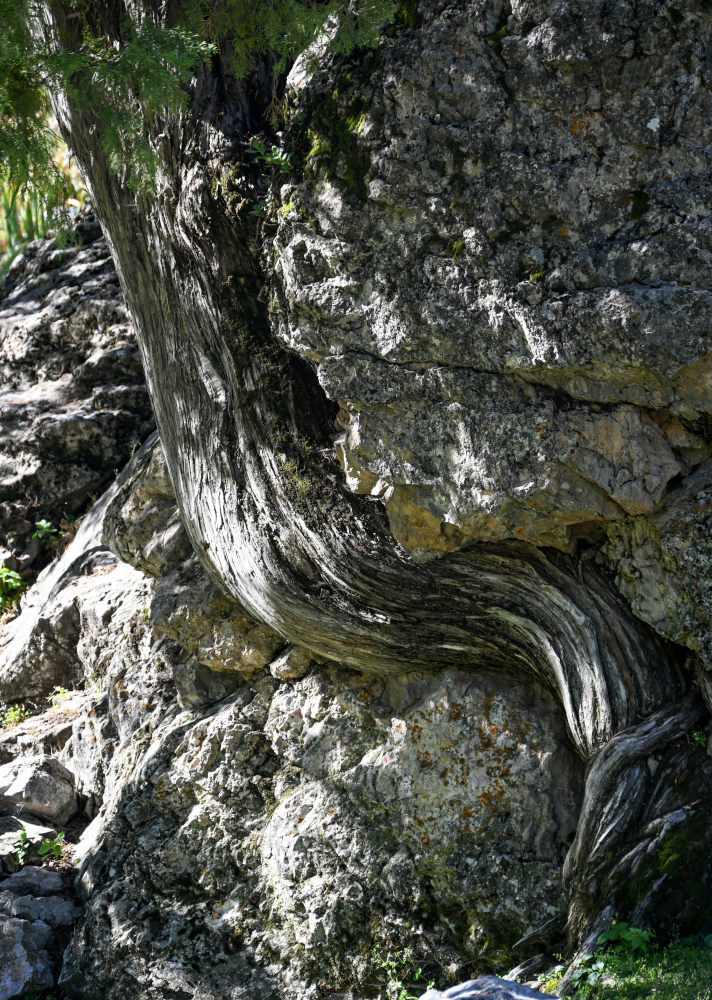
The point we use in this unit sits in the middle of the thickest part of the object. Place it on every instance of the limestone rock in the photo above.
(40, 786)
(35, 918)
(53, 910)
(34, 881)
(143, 527)
(190, 609)
(24, 960)
(73, 403)
(45, 733)
(40, 648)
(485, 988)
(663, 565)
(499, 256)
(291, 664)
(318, 818)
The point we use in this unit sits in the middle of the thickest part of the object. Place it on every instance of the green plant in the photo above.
(699, 737)
(456, 248)
(47, 533)
(43, 529)
(132, 77)
(12, 715)
(400, 970)
(53, 844)
(588, 972)
(57, 695)
(21, 846)
(682, 970)
(623, 937)
(273, 156)
(11, 583)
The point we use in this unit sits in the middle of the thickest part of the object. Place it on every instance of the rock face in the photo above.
(73, 401)
(309, 818)
(499, 258)
(310, 813)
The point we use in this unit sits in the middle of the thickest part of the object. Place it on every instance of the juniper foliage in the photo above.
(132, 77)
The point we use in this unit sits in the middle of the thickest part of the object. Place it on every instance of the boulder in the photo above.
(323, 820)
(498, 258)
(52, 910)
(35, 918)
(34, 881)
(40, 786)
(25, 963)
(486, 988)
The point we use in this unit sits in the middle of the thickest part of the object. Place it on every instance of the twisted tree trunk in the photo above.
(247, 432)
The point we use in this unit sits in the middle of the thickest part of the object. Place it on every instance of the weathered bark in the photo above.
(247, 434)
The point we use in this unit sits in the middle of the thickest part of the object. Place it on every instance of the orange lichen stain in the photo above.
(584, 121)
(416, 730)
(563, 233)
(455, 712)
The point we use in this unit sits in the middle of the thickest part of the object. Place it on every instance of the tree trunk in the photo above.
(248, 432)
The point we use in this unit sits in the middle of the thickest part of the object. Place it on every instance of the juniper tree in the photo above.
(160, 113)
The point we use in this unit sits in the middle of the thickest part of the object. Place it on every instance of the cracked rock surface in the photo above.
(499, 258)
(73, 402)
(36, 913)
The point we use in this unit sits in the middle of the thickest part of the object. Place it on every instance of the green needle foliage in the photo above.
(285, 28)
(141, 73)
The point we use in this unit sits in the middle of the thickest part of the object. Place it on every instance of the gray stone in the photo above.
(52, 910)
(485, 988)
(40, 648)
(33, 881)
(663, 565)
(510, 304)
(24, 961)
(143, 527)
(292, 664)
(45, 733)
(321, 818)
(73, 402)
(40, 786)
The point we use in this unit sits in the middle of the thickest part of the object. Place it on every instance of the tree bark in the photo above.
(247, 433)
